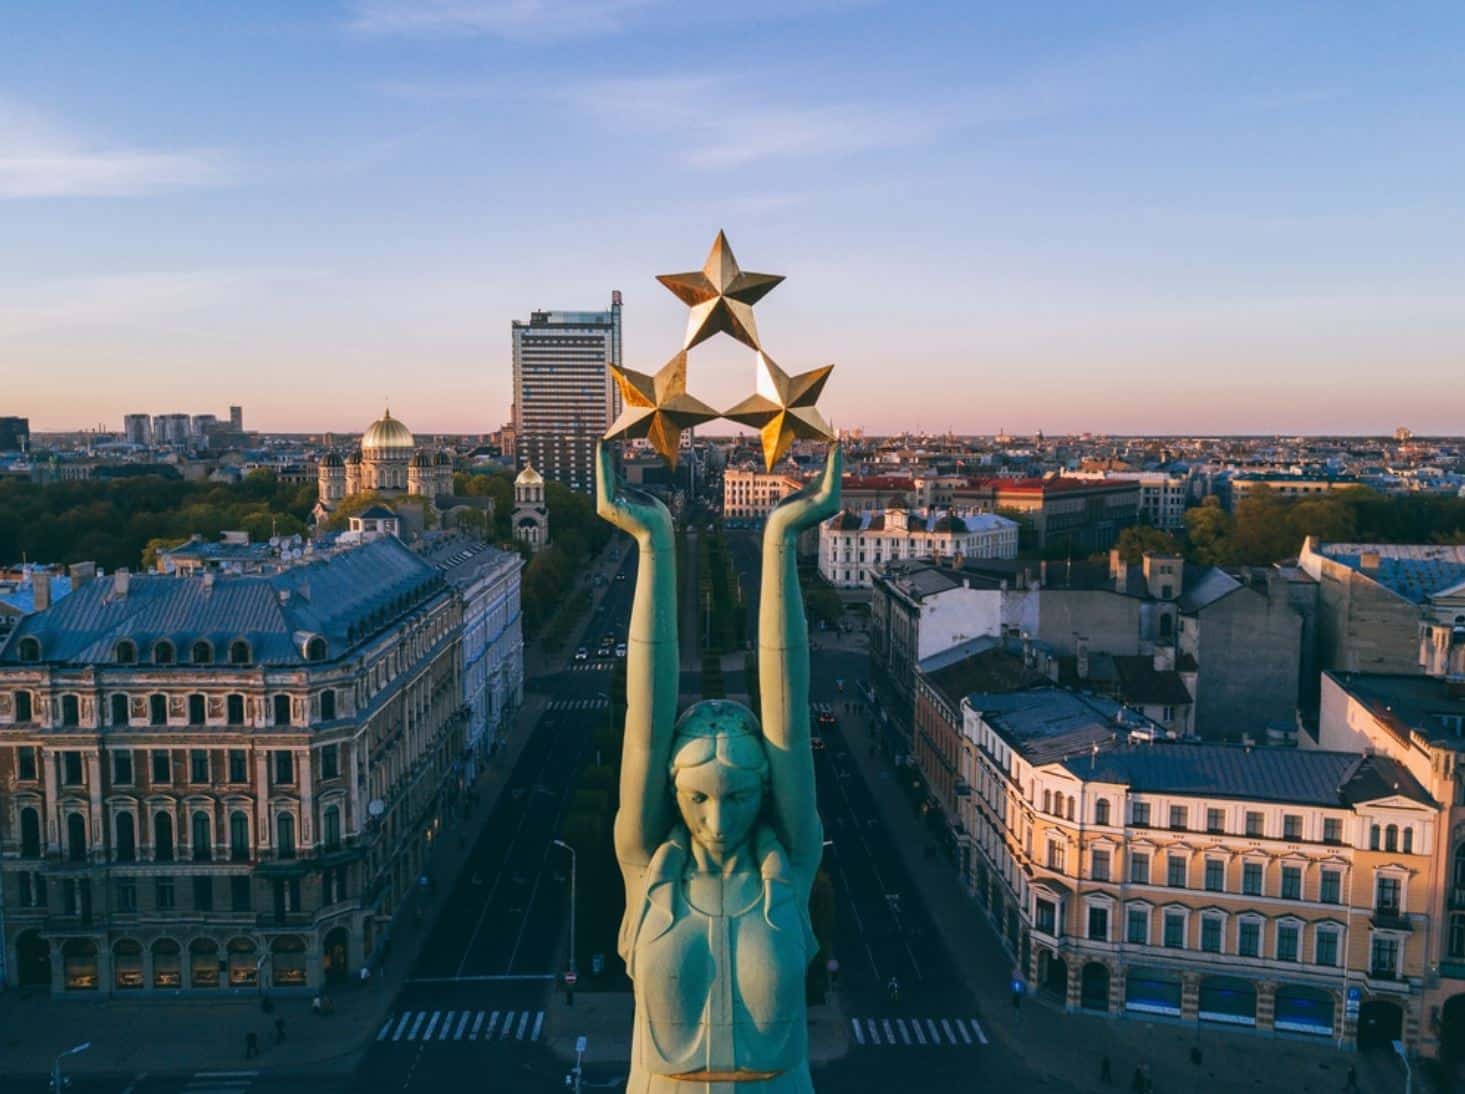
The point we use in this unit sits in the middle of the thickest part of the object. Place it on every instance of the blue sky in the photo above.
(1124, 217)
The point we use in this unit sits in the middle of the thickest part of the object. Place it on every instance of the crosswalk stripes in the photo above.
(219, 1082)
(591, 666)
(918, 1032)
(579, 704)
(462, 1025)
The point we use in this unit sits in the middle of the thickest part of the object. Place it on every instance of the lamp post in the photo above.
(58, 1081)
(562, 844)
(1408, 1073)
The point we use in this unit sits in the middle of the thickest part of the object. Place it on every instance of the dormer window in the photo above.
(203, 652)
(239, 652)
(126, 652)
(29, 649)
(315, 649)
(163, 653)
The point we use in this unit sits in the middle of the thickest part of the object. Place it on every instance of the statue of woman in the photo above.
(718, 833)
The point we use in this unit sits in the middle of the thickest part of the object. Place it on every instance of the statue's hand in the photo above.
(629, 509)
(815, 502)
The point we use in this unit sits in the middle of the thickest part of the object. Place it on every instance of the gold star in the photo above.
(721, 296)
(658, 407)
(783, 409)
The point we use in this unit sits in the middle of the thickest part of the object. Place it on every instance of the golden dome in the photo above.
(387, 432)
(529, 477)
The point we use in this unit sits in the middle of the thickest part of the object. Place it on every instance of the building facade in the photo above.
(389, 462)
(137, 429)
(751, 495)
(215, 783)
(854, 545)
(1059, 513)
(564, 396)
(1163, 495)
(531, 511)
(15, 434)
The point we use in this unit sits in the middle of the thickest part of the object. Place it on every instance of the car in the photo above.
(603, 651)
(816, 743)
(582, 654)
(620, 649)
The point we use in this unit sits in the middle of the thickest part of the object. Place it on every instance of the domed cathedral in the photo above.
(531, 513)
(388, 463)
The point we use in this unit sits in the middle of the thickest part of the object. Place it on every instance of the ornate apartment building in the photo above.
(751, 495)
(1276, 889)
(220, 783)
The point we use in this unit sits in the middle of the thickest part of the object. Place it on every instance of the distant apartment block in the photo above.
(1163, 495)
(854, 545)
(751, 495)
(15, 434)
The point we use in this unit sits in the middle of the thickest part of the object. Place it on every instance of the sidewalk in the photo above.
(183, 1035)
(1231, 1061)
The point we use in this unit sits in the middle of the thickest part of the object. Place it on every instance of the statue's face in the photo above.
(719, 804)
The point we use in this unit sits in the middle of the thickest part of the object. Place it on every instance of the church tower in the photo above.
(531, 515)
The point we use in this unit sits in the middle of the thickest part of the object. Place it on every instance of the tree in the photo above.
(1141, 539)
(1209, 531)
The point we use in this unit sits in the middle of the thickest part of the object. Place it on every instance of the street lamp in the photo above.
(1408, 1074)
(57, 1079)
(562, 844)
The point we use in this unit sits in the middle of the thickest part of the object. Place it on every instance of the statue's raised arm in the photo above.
(783, 668)
(652, 665)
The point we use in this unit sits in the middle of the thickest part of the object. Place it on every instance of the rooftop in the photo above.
(1419, 704)
(976, 665)
(1046, 724)
(1415, 571)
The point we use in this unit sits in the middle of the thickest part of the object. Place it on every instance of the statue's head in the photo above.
(719, 773)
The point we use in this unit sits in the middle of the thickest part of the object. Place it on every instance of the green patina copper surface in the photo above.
(718, 832)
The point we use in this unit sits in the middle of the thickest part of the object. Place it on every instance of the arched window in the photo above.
(1101, 811)
(126, 652)
(203, 652)
(1072, 806)
(29, 649)
(158, 710)
(1409, 841)
(197, 710)
(332, 827)
(162, 837)
(76, 837)
(30, 834)
(119, 709)
(1373, 837)
(315, 649)
(126, 837)
(238, 652)
(238, 836)
(1047, 801)
(285, 835)
(163, 653)
(1391, 838)
(203, 848)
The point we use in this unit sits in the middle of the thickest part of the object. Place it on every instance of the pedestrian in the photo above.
(251, 1045)
(1195, 1055)
(279, 1031)
(1106, 1075)
(1148, 1078)
(1016, 1000)
(1350, 1085)
(1137, 1084)
(315, 1004)
(366, 969)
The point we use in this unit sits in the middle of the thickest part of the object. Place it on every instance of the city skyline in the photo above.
(1120, 223)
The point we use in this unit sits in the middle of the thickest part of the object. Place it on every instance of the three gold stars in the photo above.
(721, 298)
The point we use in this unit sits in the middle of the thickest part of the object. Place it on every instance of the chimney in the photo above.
(81, 573)
(1368, 561)
(41, 588)
(121, 580)
(208, 580)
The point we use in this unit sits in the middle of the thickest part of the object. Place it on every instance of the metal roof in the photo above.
(1415, 571)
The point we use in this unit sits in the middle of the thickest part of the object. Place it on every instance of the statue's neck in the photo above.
(707, 860)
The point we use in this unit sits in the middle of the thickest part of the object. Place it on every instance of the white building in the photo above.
(1163, 495)
(853, 546)
(753, 494)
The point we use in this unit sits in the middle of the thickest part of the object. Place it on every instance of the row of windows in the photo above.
(124, 835)
(164, 652)
(119, 709)
(200, 765)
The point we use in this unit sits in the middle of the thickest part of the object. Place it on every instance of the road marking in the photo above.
(916, 1026)
(904, 1036)
(386, 1027)
(538, 1024)
(421, 1016)
(935, 1033)
(431, 1025)
(447, 1025)
(508, 1024)
(523, 1024)
(947, 1027)
(965, 1037)
(859, 1033)
(462, 1025)
(406, 1017)
(478, 1021)
(977, 1029)
(885, 1025)
(874, 1033)
(493, 1021)
(512, 977)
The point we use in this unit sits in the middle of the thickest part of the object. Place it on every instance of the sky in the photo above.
(1117, 217)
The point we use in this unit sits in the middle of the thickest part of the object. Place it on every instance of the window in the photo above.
(163, 653)
(1139, 869)
(1325, 949)
(203, 653)
(1251, 878)
(1055, 855)
(1391, 838)
(1456, 941)
(238, 767)
(1329, 888)
(327, 706)
(163, 894)
(162, 766)
(1215, 821)
(330, 765)
(239, 900)
(1373, 837)
(120, 715)
(1178, 817)
(331, 826)
(29, 650)
(203, 893)
(234, 710)
(1141, 814)
(1101, 811)
(285, 835)
(157, 710)
(70, 711)
(125, 836)
(282, 710)
(239, 652)
(198, 765)
(126, 896)
(1291, 882)
(1099, 860)
(1175, 930)
(122, 767)
(1254, 824)
(315, 649)
(1175, 871)
(238, 836)
(25, 762)
(197, 710)
(1210, 933)
(1249, 938)
(203, 849)
(1047, 917)
(163, 837)
(76, 837)
(1215, 875)
(30, 833)
(1386, 900)
(1098, 924)
(126, 653)
(1287, 934)
(71, 768)
(1409, 841)
(1332, 830)
(284, 767)
(1292, 826)
(1384, 958)
(1138, 932)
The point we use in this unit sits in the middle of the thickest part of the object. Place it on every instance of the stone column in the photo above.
(58, 967)
(1266, 1005)
(48, 789)
(304, 779)
(263, 831)
(1190, 997)
(94, 787)
(1075, 984)
(147, 965)
(1116, 989)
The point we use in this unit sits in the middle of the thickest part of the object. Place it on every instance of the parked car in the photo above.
(620, 649)
(582, 654)
(816, 743)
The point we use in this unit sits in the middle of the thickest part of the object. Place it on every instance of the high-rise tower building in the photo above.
(138, 429)
(564, 396)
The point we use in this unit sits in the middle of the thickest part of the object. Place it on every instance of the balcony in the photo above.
(1388, 918)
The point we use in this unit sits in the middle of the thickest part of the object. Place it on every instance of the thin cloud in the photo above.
(41, 158)
(498, 18)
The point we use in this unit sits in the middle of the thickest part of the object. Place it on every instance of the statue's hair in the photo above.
(721, 730)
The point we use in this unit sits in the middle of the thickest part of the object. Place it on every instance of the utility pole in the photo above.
(59, 1081)
(573, 970)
